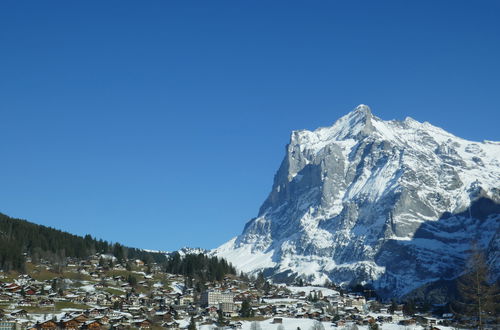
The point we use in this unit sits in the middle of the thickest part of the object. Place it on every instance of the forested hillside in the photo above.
(20, 238)
(199, 267)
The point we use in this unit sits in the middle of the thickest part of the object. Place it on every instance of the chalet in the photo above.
(93, 325)
(69, 324)
(408, 322)
(80, 318)
(96, 312)
(118, 319)
(171, 325)
(426, 320)
(19, 313)
(164, 316)
(46, 303)
(237, 325)
(142, 324)
(47, 325)
(266, 310)
(12, 287)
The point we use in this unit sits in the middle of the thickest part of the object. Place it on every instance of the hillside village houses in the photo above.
(89, 297)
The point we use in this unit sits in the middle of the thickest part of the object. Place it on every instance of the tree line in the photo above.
(199, 267)
(20, 237)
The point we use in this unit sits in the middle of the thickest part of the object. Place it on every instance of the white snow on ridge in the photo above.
(243, 258)
(344, 191)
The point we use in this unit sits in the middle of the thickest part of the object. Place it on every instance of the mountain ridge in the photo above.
(349, 198)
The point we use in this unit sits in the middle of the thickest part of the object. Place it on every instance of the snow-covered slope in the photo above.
(393, 203)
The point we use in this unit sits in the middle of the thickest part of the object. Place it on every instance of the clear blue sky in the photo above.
(160, 124)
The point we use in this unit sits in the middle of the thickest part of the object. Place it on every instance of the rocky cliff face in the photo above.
(392, 203)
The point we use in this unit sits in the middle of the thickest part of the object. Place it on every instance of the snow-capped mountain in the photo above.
(392, 203)
(182, 251)
(187, 250)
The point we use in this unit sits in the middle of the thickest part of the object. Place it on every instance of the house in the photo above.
(69, 324)
(46, 303)
(80, 318)
(96, 312)
(164, 316)
(47, 325)
(142, 324)
(171, 325)
(118, 320)
(103, 320)
(19, 313)
(237, 325)
(408, 322)
(94, 325)
(12, 287)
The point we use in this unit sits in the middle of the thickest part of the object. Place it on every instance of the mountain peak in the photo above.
(364, 109)
(357, 123)
(361, 113)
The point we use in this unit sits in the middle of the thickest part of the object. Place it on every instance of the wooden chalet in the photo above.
(171, 325)
(80, 318)
(142, 324)
(69, 324)
(47, 325)
(408, 322)
(93, 325)
(30, 292)
(103, 319)
(19, 313)
(164, 316)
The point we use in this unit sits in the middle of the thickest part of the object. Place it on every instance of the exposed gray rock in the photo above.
(373, 201)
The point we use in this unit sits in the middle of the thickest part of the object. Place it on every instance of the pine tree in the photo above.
(220, 318)
(373, 326)
(393, 307)
(266, 287)
(192, 324)
(132, 280)
(246, 308)
(259, 282)
(409, 308)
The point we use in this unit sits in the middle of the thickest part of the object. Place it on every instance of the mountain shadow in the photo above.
(427, 264)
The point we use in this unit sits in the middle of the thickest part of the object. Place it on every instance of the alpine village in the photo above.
(51, 280)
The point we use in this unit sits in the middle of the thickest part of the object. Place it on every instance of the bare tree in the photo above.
(255, 326)
(317, 326)
(477, 299)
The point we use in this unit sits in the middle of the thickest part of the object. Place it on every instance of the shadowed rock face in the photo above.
(367, 200)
